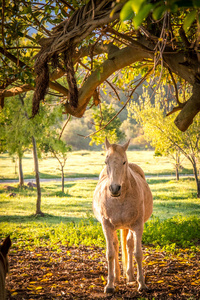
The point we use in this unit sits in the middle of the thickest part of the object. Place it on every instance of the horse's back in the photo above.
(137, 169)
(148, 199)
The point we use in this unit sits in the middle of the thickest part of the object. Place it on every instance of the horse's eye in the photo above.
(124, 162)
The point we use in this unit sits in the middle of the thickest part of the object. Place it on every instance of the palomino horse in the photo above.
(122, 200)
(4, 266)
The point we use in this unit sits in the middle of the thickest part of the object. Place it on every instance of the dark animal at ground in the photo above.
(4, 248)
(31, 184)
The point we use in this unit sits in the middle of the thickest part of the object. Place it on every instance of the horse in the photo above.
(122, 200)
(4, 266)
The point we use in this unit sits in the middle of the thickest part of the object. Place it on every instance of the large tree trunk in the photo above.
(37, 177)
(21, 176)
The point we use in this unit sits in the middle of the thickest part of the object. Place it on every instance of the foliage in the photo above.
(139, 10)
(100, 51)
(173, 232)
(51, 144)
(111, 131)
(165, 137)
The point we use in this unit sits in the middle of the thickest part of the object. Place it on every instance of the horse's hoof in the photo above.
(130, 283)
(109, 290)
(143, 288)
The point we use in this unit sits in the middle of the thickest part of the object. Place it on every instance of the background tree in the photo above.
(58, 149)
(104, 127)
(14, 129)
(19, 133)
(165, 137)
(68, 37)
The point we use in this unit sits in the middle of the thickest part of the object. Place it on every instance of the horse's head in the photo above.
(116, 161)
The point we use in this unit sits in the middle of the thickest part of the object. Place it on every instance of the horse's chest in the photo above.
(120, 213)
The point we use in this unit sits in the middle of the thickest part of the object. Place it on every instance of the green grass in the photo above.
(69, 218)
(86, 164)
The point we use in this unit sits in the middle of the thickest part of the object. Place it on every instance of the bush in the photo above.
(177, 231)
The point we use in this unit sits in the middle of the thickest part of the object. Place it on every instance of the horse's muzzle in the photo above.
(115, 190)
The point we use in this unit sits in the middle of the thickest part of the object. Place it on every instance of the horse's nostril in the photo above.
(115, 189)
(118, 188)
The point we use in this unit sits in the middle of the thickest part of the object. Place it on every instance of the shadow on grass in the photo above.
(47, 218)
(167, 180)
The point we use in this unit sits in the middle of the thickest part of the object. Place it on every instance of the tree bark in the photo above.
(196, 178)
(21, 176)
(177, 164)
(63, 179)
(190, 110)
(177, 172)
(37, 177)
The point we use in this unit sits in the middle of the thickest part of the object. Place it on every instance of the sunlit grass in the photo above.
(85, 164)
(69, 218)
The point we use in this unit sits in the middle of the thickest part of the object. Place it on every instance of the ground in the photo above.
(81, 272)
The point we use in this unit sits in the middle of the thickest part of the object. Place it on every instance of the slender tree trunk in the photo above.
(63, 179)
(177, 164)
(196, 178)
(16, 166)
(177, 172)
(37, 177)
(21, 176)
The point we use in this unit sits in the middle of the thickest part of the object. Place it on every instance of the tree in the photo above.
(165, 137)
(103, 129)
(19, 133)
(58, 149)
(14, 132)
(160, 37)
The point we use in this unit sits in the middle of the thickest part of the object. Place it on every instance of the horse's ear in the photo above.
(125, 146)
(107, 144)
(5, 246)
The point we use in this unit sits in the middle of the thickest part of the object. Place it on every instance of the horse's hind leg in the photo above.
(117, 268)
(138, 257)
(130, 247)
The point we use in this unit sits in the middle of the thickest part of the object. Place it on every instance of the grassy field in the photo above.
(69, 218)
(86, 164)
(56, 242)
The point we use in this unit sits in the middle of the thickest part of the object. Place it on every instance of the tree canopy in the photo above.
(70, 48)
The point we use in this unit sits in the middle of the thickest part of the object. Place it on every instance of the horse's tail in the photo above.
(123, 234)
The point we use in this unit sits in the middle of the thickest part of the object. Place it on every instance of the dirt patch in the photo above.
(80, 273)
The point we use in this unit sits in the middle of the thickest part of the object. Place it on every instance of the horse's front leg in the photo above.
(109, 233)
(117, 267)
(139, 256)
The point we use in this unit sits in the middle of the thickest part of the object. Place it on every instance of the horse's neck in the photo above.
(127, 176)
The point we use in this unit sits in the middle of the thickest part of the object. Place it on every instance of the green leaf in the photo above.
(196, 3)
(189, 20)
(126, 12)
(158, 12)
(143, 13)
(136, 4)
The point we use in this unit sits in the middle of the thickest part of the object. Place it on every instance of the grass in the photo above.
(69, 218)
(86, 164)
